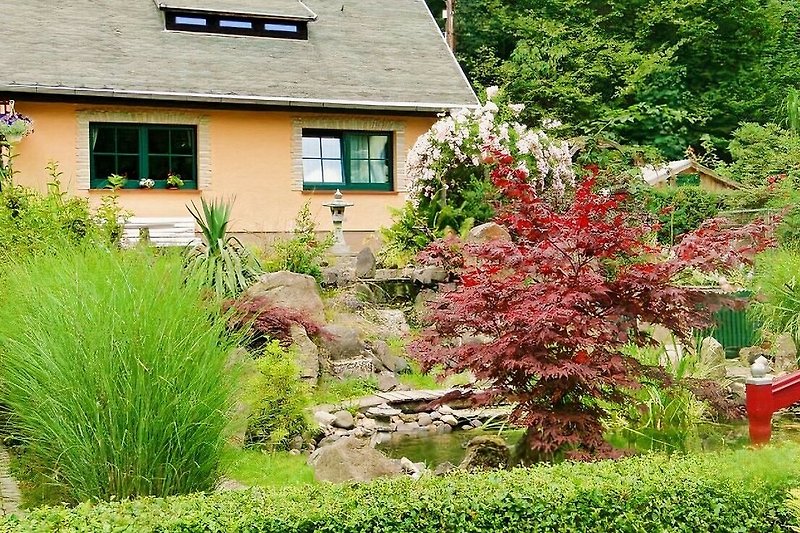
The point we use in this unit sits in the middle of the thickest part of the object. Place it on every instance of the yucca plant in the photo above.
(222, 260)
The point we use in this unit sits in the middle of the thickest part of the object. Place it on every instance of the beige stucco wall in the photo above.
(248, 154)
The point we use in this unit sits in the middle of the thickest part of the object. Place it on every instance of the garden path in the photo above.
(9, 490)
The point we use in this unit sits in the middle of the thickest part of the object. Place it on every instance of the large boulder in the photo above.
(341, 342)
(352, 459)
(387, 382)
(490, 231)
(392, 322)
(712, 355)
(386, 359)
(785, 353)
(365, 264)
(294, 291)
(306, 354)
(430, 275)
(486, 453)
(344, 420)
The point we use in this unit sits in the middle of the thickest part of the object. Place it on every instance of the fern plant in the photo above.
(227, 267)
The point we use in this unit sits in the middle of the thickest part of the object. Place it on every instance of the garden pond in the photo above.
(451, 447)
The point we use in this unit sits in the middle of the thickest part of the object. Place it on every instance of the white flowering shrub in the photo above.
(449, 168)
(459, 148)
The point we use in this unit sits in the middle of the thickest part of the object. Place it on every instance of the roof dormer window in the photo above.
(286, 19)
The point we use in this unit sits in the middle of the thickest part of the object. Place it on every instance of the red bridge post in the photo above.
(760, 408)
(765, 395)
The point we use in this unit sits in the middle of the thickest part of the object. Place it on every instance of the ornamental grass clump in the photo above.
(777, 282)
(113, 368)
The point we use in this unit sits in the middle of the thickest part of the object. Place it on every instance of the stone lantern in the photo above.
(337, 207)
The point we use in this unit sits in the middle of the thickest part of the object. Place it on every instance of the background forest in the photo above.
(667, 75)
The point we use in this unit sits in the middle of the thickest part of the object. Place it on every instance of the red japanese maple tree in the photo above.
(548, 313)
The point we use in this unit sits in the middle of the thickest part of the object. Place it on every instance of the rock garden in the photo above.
(524, 311)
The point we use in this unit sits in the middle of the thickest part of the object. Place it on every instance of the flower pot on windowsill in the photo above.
(146, 183)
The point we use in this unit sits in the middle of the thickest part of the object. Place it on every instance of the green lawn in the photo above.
(255, 468)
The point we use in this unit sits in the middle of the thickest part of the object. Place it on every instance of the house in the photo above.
(273, 102)
(687, 172)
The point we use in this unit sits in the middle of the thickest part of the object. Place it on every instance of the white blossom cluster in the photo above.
(468, 138)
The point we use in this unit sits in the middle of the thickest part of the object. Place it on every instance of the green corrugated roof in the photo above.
(365, 54)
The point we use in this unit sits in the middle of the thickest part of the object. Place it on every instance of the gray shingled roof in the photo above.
(364, 54)
(283, 8)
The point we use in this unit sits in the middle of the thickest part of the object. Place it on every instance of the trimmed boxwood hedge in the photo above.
(743, 491)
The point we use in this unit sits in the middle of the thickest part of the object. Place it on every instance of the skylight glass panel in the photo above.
(191, 21)
(240, 24)
(285, 28)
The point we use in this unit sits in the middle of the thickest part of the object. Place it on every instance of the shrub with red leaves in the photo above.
(267, 321)
(553, 308)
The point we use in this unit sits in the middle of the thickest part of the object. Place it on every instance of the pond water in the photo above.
(451, 447)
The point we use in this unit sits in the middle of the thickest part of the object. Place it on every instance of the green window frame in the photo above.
(139, 151)
(353, 160)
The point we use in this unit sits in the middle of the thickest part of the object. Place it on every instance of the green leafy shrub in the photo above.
(780, 196)
(112, 366)
(678, 210)
(738, 492)
(404, 238)
(223, 262)
(760, 151)
(303, 252)
(279, 399)
(777, 283)
(32, 223)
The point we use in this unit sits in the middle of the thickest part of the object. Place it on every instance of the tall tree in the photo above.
(664, 73)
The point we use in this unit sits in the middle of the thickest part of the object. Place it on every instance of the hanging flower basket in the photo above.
(13, 127)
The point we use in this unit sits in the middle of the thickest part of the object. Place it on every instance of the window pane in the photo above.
(287, 28)
(378, 146)
(127, 140)
(332, 170)
(104, 166)
(128, 166)
(311, 147)
(223, 23)
(359, 146)
(182, 141)
(159, 166)
(379, 171)
(331, 148)
(190, 21)
(312, 170)
(359, 171)
(104, 140)
(158, 141)
(184, 167)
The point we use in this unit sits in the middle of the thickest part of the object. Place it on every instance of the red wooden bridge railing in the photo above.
(764, 396)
